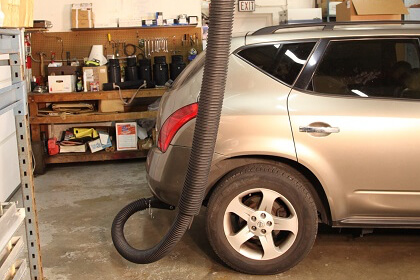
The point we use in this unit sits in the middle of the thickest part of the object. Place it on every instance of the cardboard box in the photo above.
(110, 106)
(95, 146)
(332, 10)
(360, 10)
(95, 74)
(61, 84)
(84, 24)
(126, 136)
(64, 70)
(82, 16)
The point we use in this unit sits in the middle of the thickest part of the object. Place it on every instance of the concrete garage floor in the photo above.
(77, 204)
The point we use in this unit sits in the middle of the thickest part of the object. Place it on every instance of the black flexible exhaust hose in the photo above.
(205, 134)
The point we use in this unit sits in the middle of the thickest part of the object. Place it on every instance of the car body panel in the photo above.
(260, 125)
(345, 32)
(370, 167)
(381, 187)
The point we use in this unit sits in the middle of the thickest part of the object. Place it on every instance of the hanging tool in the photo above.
(196, 39)
(184, 39)
(41, 56)
(117, 49)
(174, 44)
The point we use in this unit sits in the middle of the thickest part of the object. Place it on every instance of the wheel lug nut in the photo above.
(263, 231)
(254, 228)
(263, 215)
(269, 224)
(253, 218)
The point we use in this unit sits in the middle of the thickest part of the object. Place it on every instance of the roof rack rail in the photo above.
(329, 25)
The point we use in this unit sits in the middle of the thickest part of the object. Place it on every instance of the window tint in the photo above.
(283, 61)
(370, 68)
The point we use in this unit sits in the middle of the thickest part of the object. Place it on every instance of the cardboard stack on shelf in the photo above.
(360, 10)
(82, 15)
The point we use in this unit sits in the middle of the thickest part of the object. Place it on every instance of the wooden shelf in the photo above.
(93, 118)
(135, 27)
(98, 156)
(99, 95)
(39, 122)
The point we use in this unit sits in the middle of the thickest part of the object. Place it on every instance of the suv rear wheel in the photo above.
(261, 219)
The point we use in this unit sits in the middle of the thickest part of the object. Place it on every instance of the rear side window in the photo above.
(283, 61)
(370, 68)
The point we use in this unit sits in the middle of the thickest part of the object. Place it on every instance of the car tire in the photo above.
(277, 237)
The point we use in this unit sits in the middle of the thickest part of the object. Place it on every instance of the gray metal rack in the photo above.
(14, 97)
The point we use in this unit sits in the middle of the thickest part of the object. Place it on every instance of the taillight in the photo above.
(174, 123)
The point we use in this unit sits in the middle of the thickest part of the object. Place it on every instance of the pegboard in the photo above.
(79, 42)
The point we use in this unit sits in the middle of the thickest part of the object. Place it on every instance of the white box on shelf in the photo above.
(126, 136)
(62, 83)
(95, 146)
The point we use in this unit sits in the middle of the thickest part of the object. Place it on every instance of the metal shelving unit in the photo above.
(14, 98)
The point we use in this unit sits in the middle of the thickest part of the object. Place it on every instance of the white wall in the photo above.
(267, 12)
(58, 11)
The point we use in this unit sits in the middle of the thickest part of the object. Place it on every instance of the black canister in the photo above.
(131, 72)
(177, 66)
(160, 71)
(145, 70)
(114, 71)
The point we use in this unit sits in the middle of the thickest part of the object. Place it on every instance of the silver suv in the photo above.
(320, 124)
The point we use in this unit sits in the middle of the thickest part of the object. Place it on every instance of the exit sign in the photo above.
(246, 6)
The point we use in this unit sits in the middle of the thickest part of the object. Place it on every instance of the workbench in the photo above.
(38, 123)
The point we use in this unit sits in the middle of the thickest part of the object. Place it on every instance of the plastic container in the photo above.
(160, 71)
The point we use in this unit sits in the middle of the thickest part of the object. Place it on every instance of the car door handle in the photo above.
(314, 129)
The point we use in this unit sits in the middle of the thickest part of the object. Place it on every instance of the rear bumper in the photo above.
(166, 172)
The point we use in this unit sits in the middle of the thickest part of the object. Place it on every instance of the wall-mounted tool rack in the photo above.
(14, 98)
(79, 42)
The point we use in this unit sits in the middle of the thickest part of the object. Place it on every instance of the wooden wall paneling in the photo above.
(79, 43)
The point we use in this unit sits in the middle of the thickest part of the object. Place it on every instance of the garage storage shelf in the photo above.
(39, 100)
(11, 247)
(14, 99)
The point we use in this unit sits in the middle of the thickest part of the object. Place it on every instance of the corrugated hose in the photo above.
(204, 140)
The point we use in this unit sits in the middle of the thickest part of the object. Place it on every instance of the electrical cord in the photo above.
(144, 85)
(58, 39)
(133, 51)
